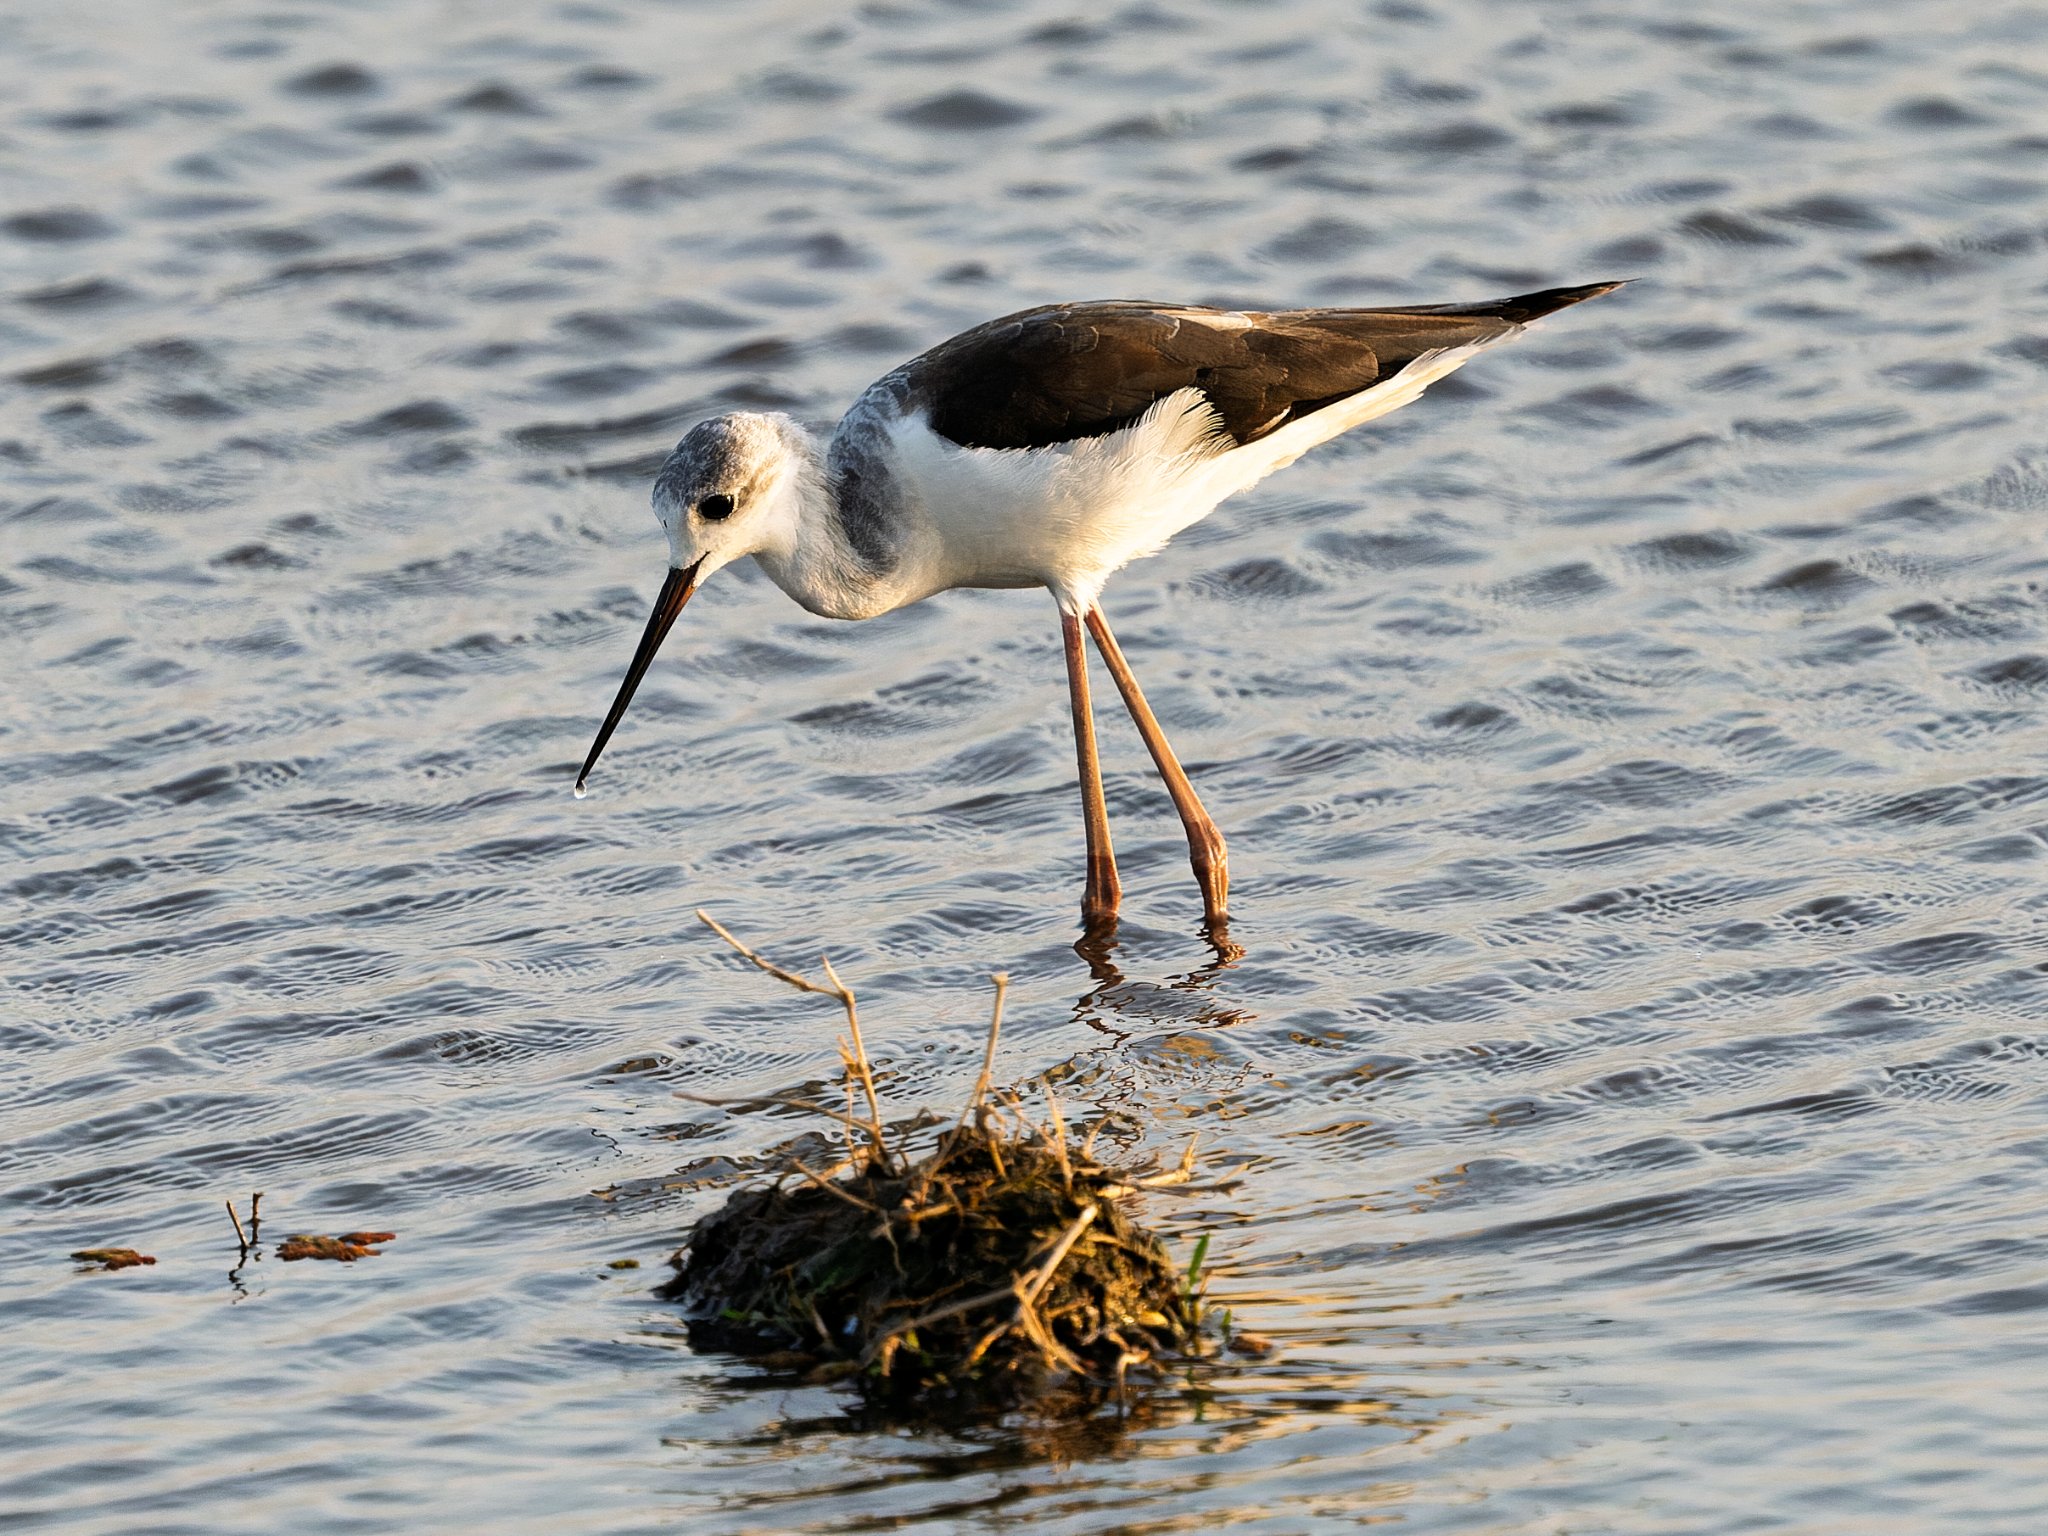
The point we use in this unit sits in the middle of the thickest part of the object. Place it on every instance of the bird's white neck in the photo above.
(807, 553)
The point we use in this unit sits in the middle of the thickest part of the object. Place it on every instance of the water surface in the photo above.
(1633, 756)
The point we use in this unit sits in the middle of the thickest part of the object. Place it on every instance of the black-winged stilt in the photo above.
(1048, 449)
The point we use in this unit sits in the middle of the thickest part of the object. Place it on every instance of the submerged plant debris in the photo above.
(346, 1248)
(98, 1259)
(998, 1264)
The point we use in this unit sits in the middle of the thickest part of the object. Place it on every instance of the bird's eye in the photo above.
(713, 508)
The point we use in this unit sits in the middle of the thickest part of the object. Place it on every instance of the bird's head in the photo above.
(729, 489)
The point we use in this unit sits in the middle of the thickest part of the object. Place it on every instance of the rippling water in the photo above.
(1634, 755)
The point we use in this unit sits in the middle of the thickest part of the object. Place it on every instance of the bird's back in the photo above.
(1249, 392)
(1063, 372)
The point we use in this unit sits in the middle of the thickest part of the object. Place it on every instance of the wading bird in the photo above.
(1048, 449)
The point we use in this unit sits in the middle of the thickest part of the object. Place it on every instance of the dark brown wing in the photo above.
(1070, 371)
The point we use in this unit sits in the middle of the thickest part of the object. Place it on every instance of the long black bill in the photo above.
(674, 593)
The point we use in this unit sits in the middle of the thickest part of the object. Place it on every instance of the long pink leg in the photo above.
(1104, 891)
(1205, 843)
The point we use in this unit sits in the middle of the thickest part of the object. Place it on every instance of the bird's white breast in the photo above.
(1065, 516)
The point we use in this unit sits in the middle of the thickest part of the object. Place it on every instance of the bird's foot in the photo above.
(1212, 874)
(1216, 929)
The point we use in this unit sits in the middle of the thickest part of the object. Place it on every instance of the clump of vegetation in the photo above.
(97, 1259)
(995, 1262)
(345, 1249)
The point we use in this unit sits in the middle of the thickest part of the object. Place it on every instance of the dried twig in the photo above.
(988, 1055)
(975, 1098)
(241, 1237)
(772, 1098)
(856, 1057)
(982, 1346)
(1058, 1138)
(772, 969)
(887, 1342)
(1172, 1181)
(831, 1188)
(1068, 1238)
(858, 1060)
(1034, 1328)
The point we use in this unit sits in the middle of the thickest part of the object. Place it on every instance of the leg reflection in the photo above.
(1120, 1006)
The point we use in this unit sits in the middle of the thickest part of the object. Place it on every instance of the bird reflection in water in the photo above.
(1125, 1009)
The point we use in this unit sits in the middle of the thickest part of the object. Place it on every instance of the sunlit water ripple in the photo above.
(1634, 756)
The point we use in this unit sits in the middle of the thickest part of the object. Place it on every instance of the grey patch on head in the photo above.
(865, 495)
(715, 455)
